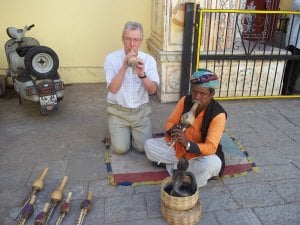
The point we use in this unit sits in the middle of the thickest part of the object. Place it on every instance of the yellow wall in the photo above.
(285, 4)
(81, 32)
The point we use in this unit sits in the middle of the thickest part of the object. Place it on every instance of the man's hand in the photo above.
(128, 56)
(140, 68)
(176, 126)
(179, 136)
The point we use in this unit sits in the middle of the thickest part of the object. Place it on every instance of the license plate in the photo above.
(48, 100)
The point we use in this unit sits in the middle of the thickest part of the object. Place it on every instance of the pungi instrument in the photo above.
(85, 206)
(37, 186)
(40, 218)
(64, 209)
(27, 210)
(56, 197)
(187, 119)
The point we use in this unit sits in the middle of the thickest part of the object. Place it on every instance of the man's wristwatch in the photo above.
(188, 145)
(143, 76)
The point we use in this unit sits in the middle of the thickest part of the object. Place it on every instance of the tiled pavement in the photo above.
(69, 143)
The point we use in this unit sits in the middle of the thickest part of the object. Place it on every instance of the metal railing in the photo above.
(246, 49)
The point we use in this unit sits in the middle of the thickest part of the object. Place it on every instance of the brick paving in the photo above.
(69, 143)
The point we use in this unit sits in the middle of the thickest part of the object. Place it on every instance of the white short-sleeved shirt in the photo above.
(132, 93)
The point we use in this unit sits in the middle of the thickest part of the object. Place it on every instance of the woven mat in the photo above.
(133, 168)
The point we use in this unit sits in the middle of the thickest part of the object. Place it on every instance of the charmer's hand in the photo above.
(176, 126)
(179, 136)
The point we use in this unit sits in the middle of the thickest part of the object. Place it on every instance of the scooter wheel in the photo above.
(41, 61)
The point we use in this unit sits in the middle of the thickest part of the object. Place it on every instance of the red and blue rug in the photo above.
(133, 168)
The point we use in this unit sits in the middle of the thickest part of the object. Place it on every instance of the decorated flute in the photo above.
(37, 186)
(56, 197)
(27, 210)
(64, 209)
(187, 119)
(132, 62)
(85, 206)
(40, 219)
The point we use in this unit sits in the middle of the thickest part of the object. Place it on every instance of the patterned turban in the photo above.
(205, 78)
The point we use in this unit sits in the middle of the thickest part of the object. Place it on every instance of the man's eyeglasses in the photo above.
(134, 40)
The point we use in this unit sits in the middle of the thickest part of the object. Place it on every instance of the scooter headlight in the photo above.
(30, 91)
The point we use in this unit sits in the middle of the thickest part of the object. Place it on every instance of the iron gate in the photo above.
(245, 48)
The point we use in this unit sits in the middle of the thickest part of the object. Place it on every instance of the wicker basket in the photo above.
(188, 217)
(177, 203)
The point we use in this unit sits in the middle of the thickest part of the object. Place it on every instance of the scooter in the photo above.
(33, 69)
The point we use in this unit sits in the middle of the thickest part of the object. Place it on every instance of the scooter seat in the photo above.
(22, 50)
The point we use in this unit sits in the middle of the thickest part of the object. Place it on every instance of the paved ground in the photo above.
(69, 143)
